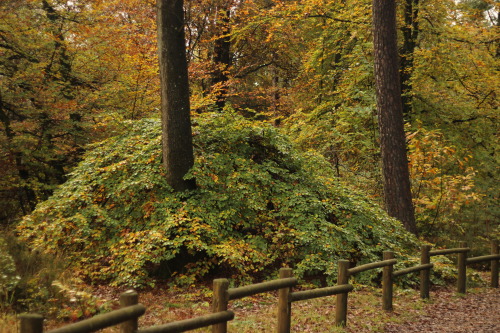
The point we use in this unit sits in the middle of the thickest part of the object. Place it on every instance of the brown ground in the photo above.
(449, 313)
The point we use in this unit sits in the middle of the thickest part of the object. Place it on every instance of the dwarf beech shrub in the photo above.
(259, 204)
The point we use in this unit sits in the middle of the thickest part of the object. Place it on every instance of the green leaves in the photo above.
(259, 204)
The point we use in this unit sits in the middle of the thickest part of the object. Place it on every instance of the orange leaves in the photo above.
(214, 177)
(442, 180)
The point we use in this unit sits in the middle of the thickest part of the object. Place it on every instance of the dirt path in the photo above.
(472, 313)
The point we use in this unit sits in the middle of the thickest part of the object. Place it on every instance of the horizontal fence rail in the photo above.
(127, 316)
(412, 269)
(449, 251)
(191, 324)
(258, 288)
(321, 292)
(475, 260)
(103, 320)
(372, 265)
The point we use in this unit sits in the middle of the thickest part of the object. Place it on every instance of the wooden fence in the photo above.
(130, 311)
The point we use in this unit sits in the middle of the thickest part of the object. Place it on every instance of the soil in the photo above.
(478, 311)
(449, 313)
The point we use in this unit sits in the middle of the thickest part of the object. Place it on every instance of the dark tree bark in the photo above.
(222, 57)
(397, 193)
(498, 41)
(410, 35)
(176, 123)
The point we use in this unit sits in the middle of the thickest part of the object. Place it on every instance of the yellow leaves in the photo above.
(214, 177)
(443, 181)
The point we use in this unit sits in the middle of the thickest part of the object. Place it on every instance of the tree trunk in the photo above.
(397, 193)
(176, 123)
(410, 34)
(222, 57)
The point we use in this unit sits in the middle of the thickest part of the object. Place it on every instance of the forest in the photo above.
(287, 163)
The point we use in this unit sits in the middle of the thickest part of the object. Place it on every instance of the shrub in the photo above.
(259, 204)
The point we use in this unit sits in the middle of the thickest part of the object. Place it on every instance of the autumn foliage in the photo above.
(288, 171)
(260, 204)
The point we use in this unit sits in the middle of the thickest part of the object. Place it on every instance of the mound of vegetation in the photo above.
(259, 204)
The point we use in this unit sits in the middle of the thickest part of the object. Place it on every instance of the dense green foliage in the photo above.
(259, 204)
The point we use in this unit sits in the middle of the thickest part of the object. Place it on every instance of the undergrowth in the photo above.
(259, 204)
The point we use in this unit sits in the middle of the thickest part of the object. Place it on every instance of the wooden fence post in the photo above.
(387, 282)
(284, 304)
(128, 298)
(425, 274)
(341, 307)
(31, 323)
(462, 270)
(220, 301)
(494, 265)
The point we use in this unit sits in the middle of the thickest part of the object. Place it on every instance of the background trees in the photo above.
(454, 93)
(44, 101)
(71, 72)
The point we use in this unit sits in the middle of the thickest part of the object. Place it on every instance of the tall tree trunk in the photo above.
(397, 193)
(176, 123)
(222, 56)
(498, 41)
(410, 34)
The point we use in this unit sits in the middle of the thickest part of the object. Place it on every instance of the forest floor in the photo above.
(445, 311)
(449, 313)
